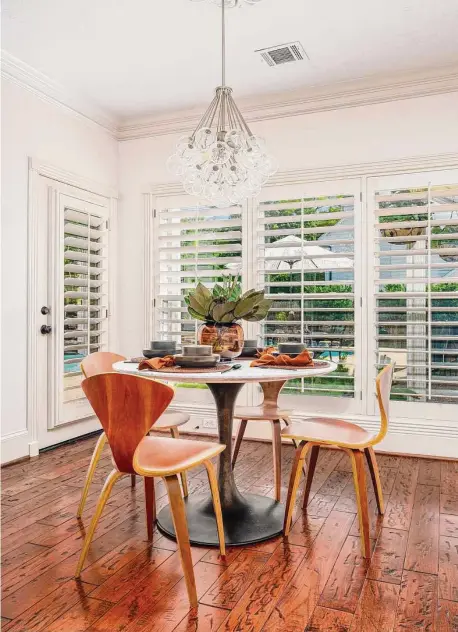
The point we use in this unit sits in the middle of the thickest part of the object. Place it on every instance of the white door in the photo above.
(72, 304)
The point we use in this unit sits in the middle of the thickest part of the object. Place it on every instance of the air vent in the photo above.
(283, 54)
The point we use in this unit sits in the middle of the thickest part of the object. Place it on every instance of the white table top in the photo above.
(239, 376)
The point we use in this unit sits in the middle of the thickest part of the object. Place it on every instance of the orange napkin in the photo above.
(157, 363)
(267, 359)
(266, 350)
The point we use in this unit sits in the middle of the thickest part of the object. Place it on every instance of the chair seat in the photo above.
(161, 456)
(170, 419)
(261, 413)
(329, 431)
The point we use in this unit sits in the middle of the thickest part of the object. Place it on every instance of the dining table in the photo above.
(248, 518)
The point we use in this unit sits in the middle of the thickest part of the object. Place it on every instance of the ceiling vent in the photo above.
(283, 54)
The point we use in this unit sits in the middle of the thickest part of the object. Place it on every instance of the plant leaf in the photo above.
(195, 314)
(223, 309)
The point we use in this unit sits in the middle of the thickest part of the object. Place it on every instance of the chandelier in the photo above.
(222, 160)
(230, 4)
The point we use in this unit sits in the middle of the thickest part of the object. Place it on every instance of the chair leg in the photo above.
(184, 481)
(181, 531)
(150, 504)
(310, 472)
(287, 421)
(238, 440)
(112, 477)
(359, 478)
(276, 447)
(133, 480)
(90, 471)
(216, 506)
(294, 481)
(375, 476)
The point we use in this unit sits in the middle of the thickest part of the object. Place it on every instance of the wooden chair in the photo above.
(357, 442)
(267, 411)
(128, 406)
(102, 362)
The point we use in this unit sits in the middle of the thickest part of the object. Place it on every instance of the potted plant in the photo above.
(221, 308)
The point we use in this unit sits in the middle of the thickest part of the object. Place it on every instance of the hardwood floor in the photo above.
(315, 581)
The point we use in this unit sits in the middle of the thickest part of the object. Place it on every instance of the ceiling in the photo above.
(138, 57)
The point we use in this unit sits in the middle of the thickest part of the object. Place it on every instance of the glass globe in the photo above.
(204, 138)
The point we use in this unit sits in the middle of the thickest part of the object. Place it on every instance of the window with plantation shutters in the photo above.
(416, 289)
(306, 261)
(194, 243)
(83, 321)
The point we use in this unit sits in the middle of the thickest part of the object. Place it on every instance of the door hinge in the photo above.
(360, 301)
(360, 196)
(154, 302)
(361, 395)
(108, 224)
(154, 212)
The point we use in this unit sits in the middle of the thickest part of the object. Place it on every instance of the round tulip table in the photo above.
(248, 518)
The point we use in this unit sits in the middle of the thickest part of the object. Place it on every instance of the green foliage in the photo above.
(226, 304)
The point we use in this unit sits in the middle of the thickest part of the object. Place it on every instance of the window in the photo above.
(195, 243)
(306, 254)
(416, 290)
(83, 321)
(361, 284)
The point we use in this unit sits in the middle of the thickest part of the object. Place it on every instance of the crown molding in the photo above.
(307, 101)
(20, 73)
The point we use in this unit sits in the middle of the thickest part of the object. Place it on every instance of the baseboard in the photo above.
(405, 437)
(15, 446)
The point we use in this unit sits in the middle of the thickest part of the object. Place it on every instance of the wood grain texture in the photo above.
(388, 560)
(448, 568)
(376, 610)
(325, 620)
(233, 583)
(346, 581)
(417, 602)
(294, 609)
(429, 472)
(447, 616)
(41, 542)
(255, 607)
(400, 505)
(203, 619)
(449, 525)
(423, 544)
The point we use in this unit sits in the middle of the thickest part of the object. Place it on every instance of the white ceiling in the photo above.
(136, 57)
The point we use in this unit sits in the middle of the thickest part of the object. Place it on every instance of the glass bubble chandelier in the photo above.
(222, 160)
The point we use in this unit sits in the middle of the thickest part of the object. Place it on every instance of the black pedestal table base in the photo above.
(248, 518)
(256, 519)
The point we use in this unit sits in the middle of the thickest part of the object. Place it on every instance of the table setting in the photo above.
(218, 361)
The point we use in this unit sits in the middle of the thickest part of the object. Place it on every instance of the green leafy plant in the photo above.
(225, 304)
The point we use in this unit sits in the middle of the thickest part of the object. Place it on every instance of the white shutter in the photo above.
(82, 324)
(194, 243)
(306, 262)
(416, 290)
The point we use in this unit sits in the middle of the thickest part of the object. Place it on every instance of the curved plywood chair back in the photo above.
(383, 386)
(100, 362)
(127, 407)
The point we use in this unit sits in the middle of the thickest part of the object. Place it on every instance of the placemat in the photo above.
(317, 364)
(222, 368)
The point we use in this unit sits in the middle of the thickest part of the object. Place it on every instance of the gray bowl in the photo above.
(202, 362)
(163, 345)
(291, 347)
(197, 350)
(251, 344)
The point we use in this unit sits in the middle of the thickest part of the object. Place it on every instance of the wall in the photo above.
(392, 131)
(32, 126)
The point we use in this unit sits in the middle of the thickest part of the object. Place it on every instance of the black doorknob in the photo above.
(45, 329)
(45, 310)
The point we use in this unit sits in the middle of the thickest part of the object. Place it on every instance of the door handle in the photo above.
(45, 310)
(45, 329)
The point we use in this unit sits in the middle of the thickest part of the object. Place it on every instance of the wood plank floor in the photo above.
(315, 581)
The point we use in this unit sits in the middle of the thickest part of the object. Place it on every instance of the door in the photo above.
(72, 304)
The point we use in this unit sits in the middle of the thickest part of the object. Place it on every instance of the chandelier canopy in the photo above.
(230, 4)
(222, 160)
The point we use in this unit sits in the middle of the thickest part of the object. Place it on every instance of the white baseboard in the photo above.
(15, 446)
(405, 436)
